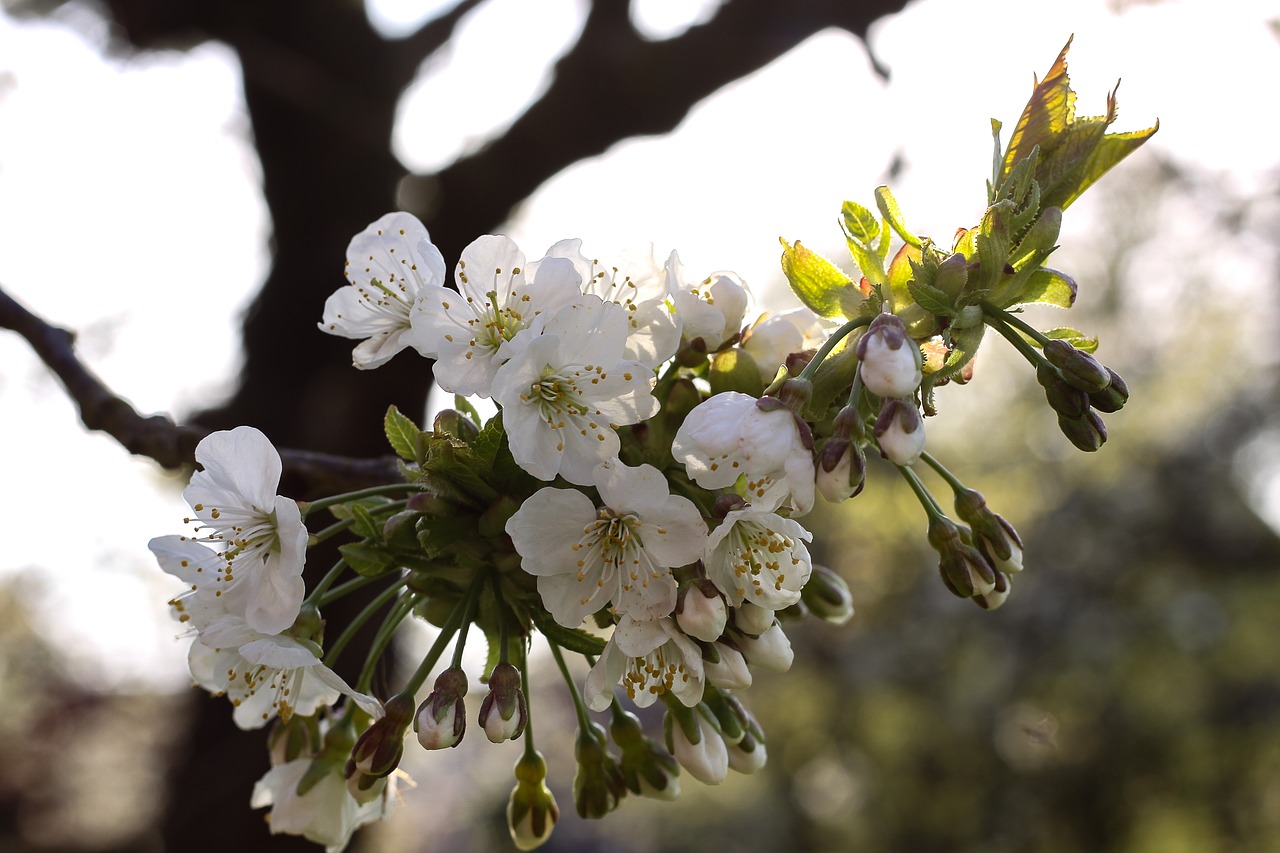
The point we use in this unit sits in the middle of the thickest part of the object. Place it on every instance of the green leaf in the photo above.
(1048, 286)
(860, 224)
(365, 525)
(1073, 152)
(485, 446)
(403, 434)
(462, 404)
(366, 559)
(816, 282)
(931, 299)
(1075, 337)
(893, 216)
(572, 639)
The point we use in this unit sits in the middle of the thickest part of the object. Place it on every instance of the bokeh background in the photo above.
(178, 181)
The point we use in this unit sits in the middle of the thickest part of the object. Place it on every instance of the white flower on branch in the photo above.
(260, 533)
(730, 436)
(620, 554)
(469, 331)
(758, 556)
(648, 659)
(711, 310)
(318, 805)
(568, 387)
(388, 264)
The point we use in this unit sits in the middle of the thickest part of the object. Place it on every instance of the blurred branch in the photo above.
(157, 437)
(612, 85)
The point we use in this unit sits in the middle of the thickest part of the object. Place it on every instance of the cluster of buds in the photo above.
(1078, 387)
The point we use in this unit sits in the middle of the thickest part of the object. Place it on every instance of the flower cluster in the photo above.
(638, 499)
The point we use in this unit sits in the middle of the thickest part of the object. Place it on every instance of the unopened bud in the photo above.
(827, 596)
(701, 611)
(441, 720)
(997, 596)
(771, 650)
(504, 713)
(964, 570)
(454, 423)
(598, 785)
(953, 274)
(648, 769)
(532, 811)
(1113, 397)
(842, 470)
(1063, 398)
(1079, 369)
(899, 432)
(298, 738)
(696, 744)
(747, 755)
(378, 750)
(364, 789)
(752, 619)
(724, 666)
(1087, 433)
(888, 359)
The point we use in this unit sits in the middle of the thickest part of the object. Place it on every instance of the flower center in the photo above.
(655, 673)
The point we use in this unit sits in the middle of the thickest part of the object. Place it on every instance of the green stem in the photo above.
(325, 582)
(363, 616)
(836, 337)
(330, 531)
(953, 481)
(584, 722)
(922, 494)
(346, 588)
(472, 599)
(1027, 351)
(346, 497)
(530, 751)
(447, 631)
(1015, 321)
(399, 611)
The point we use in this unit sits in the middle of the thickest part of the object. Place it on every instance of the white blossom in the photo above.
(648, 659)
(771, 650)
(567, 388)
(710, 310)
(388, 264)
(260, 533)
(758, 556)
(469, 331)
(773, 337)
(325, 812)
(708, 760)
(728, 436)
(620, 554)
(653, 330)
(730, 672)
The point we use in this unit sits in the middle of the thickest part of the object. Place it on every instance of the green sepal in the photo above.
(994, 241)
(819, 284)
(438, 533)
(367, 560)
(403, 435)
(892, 214)
(572, 639)
(735, 370)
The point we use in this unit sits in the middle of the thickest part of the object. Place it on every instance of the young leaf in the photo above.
(402, 433)
(816, 282)
(1075, 337)
(1048, 287)
(893, 215)
(860, 224)
(366, 560)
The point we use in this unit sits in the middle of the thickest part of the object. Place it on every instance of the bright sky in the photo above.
(130, 211)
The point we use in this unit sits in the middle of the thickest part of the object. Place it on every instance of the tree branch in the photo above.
(157, 437)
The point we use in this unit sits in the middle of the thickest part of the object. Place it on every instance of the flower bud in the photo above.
(503, 713)
(747, 755)
(1087, 433)
(701, 611)
(952, 276)
(997, 596)
(1079, 369)
(732, 718)
(647, 768)
(899, 431)
(696, 745)
(964, 570)
(1113, 397)
(1063, 398)
(453, 423)
(377, 751)
(298, 738)
(442, 717)
(827, 596)
(532, 811)
(771, 650)
(889, 360)
(364, 789)
(752, 619)
(598, 785)
(842, 470)
(724, 666)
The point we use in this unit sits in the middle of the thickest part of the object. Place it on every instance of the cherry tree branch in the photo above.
(157, 437)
